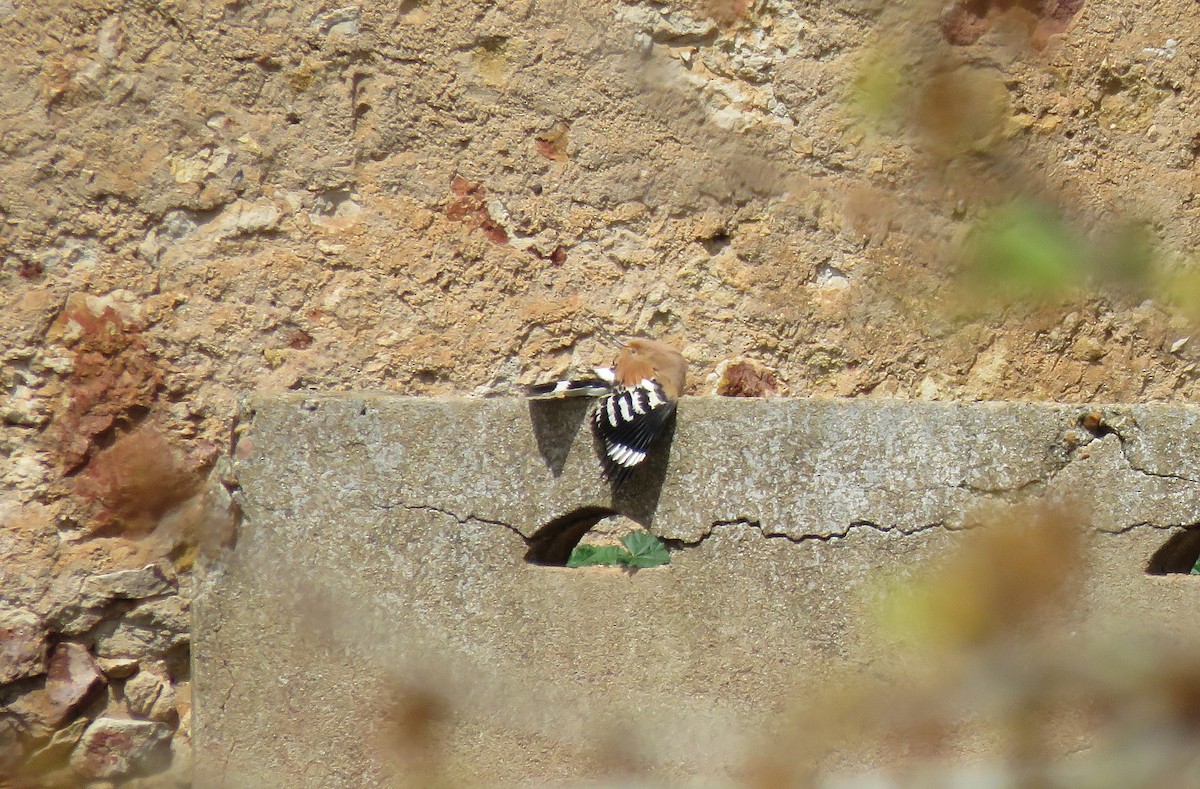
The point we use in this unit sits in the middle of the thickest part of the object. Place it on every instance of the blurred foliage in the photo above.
(961, 109)
(1019, 564)
(417, 719)
(1028, 243)
(1023, 250)
(880, 86)
(985, 687)
(1177, 285)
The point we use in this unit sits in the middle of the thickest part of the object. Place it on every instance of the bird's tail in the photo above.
(599, 384)
(580, 387)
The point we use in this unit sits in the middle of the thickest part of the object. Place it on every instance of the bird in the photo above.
(637, 395)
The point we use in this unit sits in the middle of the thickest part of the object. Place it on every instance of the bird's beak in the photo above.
(607, 337)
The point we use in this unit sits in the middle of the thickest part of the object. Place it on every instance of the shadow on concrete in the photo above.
(1178, 554)
(637, 496)
(552, 544)
(555, 425)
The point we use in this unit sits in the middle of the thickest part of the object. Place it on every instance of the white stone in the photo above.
(149, 581)
(114, 747)
(22, 644)
(339, 21)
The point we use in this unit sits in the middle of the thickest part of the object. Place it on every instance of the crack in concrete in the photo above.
(1006, 491)
(1119, 424)
(1126, 429)
(460, 519)
(679, 543)
(1146, 525)
(1155, 474)
(855, 526)
(1125, 434)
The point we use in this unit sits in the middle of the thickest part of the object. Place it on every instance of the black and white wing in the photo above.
(628, 421)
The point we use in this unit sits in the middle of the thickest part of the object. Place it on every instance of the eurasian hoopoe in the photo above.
(637, 398)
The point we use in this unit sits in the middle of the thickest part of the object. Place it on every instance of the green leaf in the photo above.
(1024, 249)
(1196, 567)
(645, 550)
(598, 556)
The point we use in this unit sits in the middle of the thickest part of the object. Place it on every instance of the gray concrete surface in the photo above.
(383, 550)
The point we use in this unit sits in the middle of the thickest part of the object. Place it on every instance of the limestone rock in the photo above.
(66, 610)
(22, 644)
(150, 630)
(72, 675)
(114, 748)
(150, 695)
(75, 618)
(118, 668)
(149, 581)
(342, 21)
(57, 751)
(77, 605)
(11, 751)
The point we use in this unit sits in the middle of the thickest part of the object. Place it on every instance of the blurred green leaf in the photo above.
(1196, 567)
(1179, 287)
(1127, 259)
(879, 84)
(646, 550)
(1023, 249)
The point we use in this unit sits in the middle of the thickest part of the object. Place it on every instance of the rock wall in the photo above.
(203, 199)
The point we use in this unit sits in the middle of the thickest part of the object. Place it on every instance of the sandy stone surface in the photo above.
(202, 199)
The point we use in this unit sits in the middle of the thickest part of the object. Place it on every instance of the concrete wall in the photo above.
(384, 541)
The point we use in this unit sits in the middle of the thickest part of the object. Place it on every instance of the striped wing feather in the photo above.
(633, 432)
(581, 387)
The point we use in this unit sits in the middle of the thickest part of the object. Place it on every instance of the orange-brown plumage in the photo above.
(650, 359)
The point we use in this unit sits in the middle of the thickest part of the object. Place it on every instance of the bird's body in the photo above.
(637, 400)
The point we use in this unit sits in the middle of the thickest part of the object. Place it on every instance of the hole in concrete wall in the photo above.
(1178, 554)
(596, 536)
(551, 545)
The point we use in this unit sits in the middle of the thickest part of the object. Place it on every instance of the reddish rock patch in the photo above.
(72, 675)
(747, 379)
(967, 20)
(136, 481)
(29, 269)
(299, 340)
(114, 378)
(470, 207)
(727, 12)
(115, 748)
(553, 144)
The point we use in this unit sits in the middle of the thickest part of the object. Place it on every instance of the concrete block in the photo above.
(383, 554)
